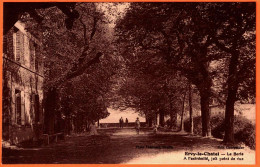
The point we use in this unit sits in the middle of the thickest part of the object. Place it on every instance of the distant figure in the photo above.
(126, 122)
(121, 122)
(93, 128)
(137, 125)
(155, 128)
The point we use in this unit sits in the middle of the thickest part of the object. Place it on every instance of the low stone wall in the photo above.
(130, 124)
(20, 134)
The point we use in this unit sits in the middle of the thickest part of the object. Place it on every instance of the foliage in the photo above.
(79, 62)
(206, 42)
(247, 135)
(146, 84)
(156, 49)
(244, 129)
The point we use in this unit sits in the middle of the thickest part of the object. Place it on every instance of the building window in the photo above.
(18, 107)
(18, 42)
(5, 44)
(35, 107)
(36, 58)
(32, 55)
(14, 43)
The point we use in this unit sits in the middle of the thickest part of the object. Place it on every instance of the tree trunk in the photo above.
(6, 104)
(173, 115)
(191, 112)
(58, 122)
(229, 117)
(148, 120)
(156, 119)
(49, 115)
(231, 99)
(174, 120)
(205, 114)
(182, 113)
(68, 122)
(161, 117)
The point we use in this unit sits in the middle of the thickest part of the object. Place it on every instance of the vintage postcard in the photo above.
(129, 82)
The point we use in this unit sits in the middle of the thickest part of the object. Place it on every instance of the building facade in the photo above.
(22, 86)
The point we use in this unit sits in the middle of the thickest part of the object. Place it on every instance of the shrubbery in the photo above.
(244, 129)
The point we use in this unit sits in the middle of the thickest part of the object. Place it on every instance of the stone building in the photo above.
(22, 86)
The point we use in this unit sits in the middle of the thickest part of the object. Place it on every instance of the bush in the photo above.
(247, 135)
(244, 129)
(214, 123)
(197, 128)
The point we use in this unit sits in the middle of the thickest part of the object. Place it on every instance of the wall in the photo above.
(21, 79)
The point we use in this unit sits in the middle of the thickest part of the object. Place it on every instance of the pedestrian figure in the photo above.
(121, 122)
(126, 122)
(137, 125)
(93, 128)
(155, 128)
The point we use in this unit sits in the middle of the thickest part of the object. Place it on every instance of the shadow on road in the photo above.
(112, 146)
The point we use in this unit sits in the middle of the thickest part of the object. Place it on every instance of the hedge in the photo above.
(244, 129)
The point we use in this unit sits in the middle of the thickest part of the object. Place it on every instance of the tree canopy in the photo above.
(149, 59)
(198, 39)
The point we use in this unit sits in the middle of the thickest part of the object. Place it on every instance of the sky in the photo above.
(115, 115)
(113, 11)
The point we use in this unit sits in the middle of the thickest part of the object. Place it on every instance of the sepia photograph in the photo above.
(128, 83)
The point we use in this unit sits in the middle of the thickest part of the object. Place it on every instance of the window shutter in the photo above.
(22, 44)
(22, 108)
(9, 45)
(18, 107)
(13, 105)
(36, 48)
(18, 46)
(32, 107)
(36, 108)
(5, 44)
(32, 54)
(14, 46)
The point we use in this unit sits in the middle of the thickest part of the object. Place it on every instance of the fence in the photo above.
(130, 124)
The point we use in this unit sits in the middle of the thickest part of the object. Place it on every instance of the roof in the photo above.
(21, 26)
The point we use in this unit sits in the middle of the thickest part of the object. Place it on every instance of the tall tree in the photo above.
(174, 36)
(148, 85)
(236, 37)
(190, 109)
(67, 56)
(13, 12)
(192, 38)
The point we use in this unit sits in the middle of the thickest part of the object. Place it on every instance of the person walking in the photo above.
(93, 128)
(137, 125)
(155, 128)
(126, 122)
(121, 122)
